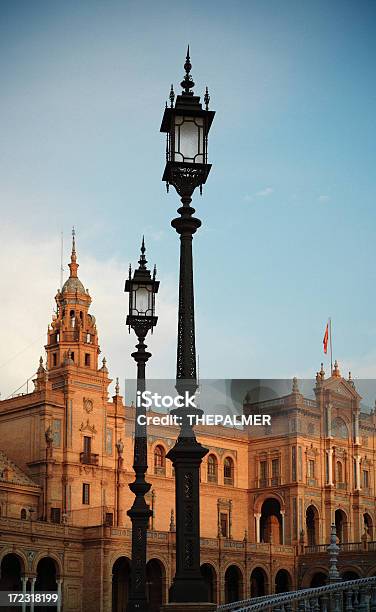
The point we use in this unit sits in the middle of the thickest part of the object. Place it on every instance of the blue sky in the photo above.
(288, 210)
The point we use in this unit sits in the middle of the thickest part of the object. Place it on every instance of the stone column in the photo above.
(330, 466)
(257, 519)
(24, 580)
(357, 471)
(59, 594)
(283, 525)
(32, 580)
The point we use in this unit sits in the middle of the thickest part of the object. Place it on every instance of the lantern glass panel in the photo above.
(142, 301)
(189, 139)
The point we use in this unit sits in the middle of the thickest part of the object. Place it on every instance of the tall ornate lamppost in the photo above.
(141, 318)
(187, 126)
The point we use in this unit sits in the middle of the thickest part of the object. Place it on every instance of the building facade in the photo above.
(268, 494)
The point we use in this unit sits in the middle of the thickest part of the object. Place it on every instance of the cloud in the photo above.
(264, 193)
(323, 198)
(30, 278)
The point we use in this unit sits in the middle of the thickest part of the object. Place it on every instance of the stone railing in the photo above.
(345, 547)
(359, 595)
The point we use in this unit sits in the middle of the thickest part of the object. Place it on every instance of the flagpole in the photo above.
(331, 346)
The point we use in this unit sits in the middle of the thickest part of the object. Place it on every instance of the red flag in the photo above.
(326, 338)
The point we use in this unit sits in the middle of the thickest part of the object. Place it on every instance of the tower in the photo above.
(72, 336)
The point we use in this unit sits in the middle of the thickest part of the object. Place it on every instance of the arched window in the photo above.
(159, 460)
(339, 473)
(23, 514)
(228, 471)
(212, 469)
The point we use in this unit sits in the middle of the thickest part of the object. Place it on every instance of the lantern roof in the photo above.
(186, 103)
(142, 274)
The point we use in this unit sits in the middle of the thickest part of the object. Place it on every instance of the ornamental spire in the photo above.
(187, 82)
(73, 266)
(142, 261)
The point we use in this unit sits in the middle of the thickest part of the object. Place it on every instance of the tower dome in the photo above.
(73, 283)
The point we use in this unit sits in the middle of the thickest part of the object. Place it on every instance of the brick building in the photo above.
(268, 495)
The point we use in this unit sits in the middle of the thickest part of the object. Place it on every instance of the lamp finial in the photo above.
(142, 261)
(171, 96)
(187, 83)
(206, 98)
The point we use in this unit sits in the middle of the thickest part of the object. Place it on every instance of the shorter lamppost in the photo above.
(141, 318)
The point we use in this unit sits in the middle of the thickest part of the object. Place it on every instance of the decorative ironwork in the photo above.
(313, 599)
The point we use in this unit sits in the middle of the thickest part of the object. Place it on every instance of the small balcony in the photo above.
(89, 458)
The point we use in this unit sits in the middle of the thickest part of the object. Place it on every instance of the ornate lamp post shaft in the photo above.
(187, 126)
(142, 289)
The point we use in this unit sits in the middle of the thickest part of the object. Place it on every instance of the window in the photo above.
(109, 436)
(159, 460)
(86, 493)
(339, 473)
(311, 468)
(365, 479)
(55, 515)
(263, 473)
(87, 446)
(224, 524)
(87, 359)
(72, 355)
(109, 519)
(275, 472)
(23, 514)
(228, 471)
(56, 432)
(212, 469)
(54, 359)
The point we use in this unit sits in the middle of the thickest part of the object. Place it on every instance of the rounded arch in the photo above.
(318, 579)
(310, 573)
(272, 495)
(209, 575)
(312, 525)
(233, 584)
(271, 529)
(11, 570)
(259, 582)
(159, 458)
(368, 525)
(155, 583)
(18, 553)
(340, 519)
(351, 573)
(121, 577)
(53, 557)
(228, 470)
(212, 468)
(340, 428)
(46, 576)
(282, 581)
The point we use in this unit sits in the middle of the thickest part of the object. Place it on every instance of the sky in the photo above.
(288, 209)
